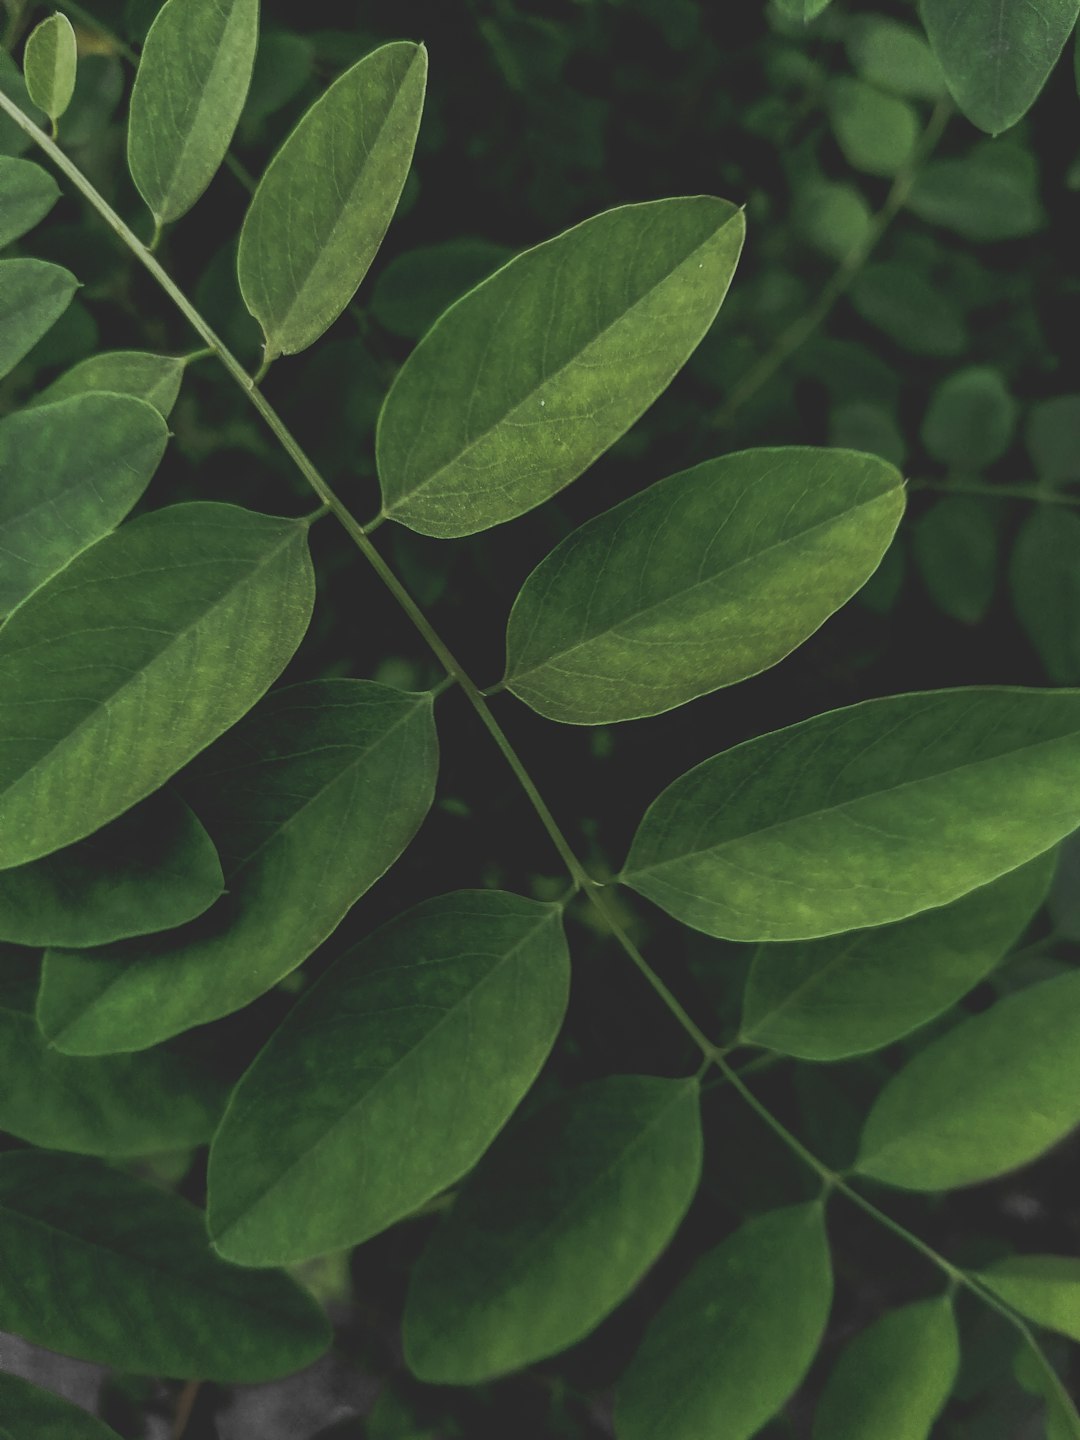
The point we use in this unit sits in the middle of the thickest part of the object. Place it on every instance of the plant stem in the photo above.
(185, 1404)
(1037, 494)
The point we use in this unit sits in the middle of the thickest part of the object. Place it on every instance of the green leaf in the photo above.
(956, 547)
(13, 139)
(895, 57)
(27, 1413)
(1044, 574)
(153, 378)
(876, 132)
(72, 471)
(415, 288)
(847, 994)
(862, 425)
(1043, 1288)
(309, 800)
(971, 418)
(189, 91)
(705, 578)
(283, 67)
(1052, 437)
(559, 1223)
(27, 194)
(863, 815)
(989, 1096)
(328, 196)
(990, 194)
(997, 56)
(454, 1007)
(118, 1105)
(153, 868)
(518, 388)
(33, 296)
(892, 1381)
(50, 61)
(803, 10)
(736, 1338)
(914, 314)
(832, 217)
(134, 658)
(107, 1268)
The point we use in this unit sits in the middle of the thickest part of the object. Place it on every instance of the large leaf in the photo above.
(990, 1095)
(328, 195)
(153, 378)
(846, 994)
(434, 1027)
(997, 54)
(1043, 1288)
(50, 60)
(27, 194)
(703, 579)
(33, 296)
(137, 655)
(559, 1223)
(148, 870)
(892, 1381)
(737, 1336)
(864, 815)
(528, 378)
(106, 1268)
(115, 1105)
(69, 473)
(27, 1413)
(309, 800)
(189, 91)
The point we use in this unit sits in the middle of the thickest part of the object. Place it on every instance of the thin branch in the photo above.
(1037, 494)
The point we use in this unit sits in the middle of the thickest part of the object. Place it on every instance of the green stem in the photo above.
(1037, 494)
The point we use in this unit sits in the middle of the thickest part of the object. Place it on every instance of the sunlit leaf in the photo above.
(1043, 1288)
(33, 296)
(153, 378)
(27, 194)
(50, 61)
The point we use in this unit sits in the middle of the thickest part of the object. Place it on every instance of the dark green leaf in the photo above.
(737, 1336)
(876, 132)
(134, 658)
(518, 388)
(153, 378)
(1043, 1288)
(1044, 574)
(27, 1413)
(107, 1268)
(1052, 438)
(990, 194)
(895, 57)
(902, 303)
(846, 994)
(861, 425)
(892, 1381)
(27, 194)
(283, 66)
(971, 419)
(833, 217)
(956, 548)
(453, 1008)
(560, 1222)
(50, 61)
(13, 139)
(309, 800)
(705, 578)
(70, 472)
(803, 10)
(415, 288)
(33, 296)
(328, 195)
(992, 1094)
(189, 91)
(864, 815)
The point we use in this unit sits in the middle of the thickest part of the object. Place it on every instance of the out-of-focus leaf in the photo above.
(956, 549)
(876, 132)
(894, 57)
(1044, 1288)
(1044, 574)
(27, 194)
(1052, 437)
(898, 300)
(27, 1413)
(415, 288)
(971, 418)
(33, 296)
(990, 194)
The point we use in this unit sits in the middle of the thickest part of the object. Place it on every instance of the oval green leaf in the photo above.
(705, 578)
(971, 418)
(153, 378)
(454, 1007)
(134, 658)
(990, 1095)
(1043, 1288)
(49, 64)
(189, 91)
(1044, 576)
(956, 547)
(309, 800)
(997, 56)
(328, 196)
(518, 388)
(992, 193)
(737, 1336)
(892, 1381)
(107, 1268)
(33, 296)
(27, 194)
(559, 1223)
(863, 816)
(27, 1413)
(876, 132)
(69, 473)
(847, 994)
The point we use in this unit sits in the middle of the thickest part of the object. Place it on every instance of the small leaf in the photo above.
(50, 61)
(990, 194)
(434, 1027)
(107, 1268)
(803, 10)
(876, 132)
(1043, 1288)
(189, 91)
(13, 139)
(559, 1223)
(864, 815)
(153, 378)
(310, 799)
(33, 296)
(328, 196)
(27, 194)
(134, 658)
(832, 217)
(415, 288)
(996, 56)
(70, 472)
(27, 1413)
(990, 1095)
(971, 418)
(895, 57)
(737, 1336)
(705, 578)
(153, 868)
(518, 388)
(956, 548)
(914, 314)
(1052, 437)
(892, 1381)
(847, 994)
(1044, 574)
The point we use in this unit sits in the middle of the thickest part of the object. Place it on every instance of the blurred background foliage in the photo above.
(909, 287)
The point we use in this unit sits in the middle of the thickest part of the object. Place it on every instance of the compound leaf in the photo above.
(27, 194)
(33, 296)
